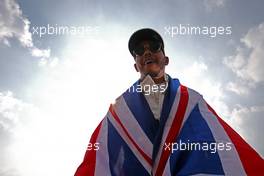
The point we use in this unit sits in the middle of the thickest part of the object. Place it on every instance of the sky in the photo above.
(63, 62)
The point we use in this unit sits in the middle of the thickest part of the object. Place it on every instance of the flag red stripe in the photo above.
(88, 165)
(251, 161)
(145, 156)
(174, 130)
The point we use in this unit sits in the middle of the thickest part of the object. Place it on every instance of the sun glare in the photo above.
(72, 97)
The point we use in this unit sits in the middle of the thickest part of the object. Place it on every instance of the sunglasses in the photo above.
(154, 47)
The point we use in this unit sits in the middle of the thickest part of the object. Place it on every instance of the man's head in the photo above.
(147, 48)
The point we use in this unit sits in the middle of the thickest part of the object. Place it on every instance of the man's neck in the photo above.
(157, 79)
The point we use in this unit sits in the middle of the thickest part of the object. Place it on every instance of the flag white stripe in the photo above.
(230, 160)
(133, 127)
(167, 171)
(102, 157)
(167, 128)
(122, 133)
(192, 101)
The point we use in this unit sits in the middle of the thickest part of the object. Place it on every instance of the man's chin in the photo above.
(153, 71)
(154, 74)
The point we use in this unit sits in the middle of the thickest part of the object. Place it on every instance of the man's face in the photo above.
(150, 61)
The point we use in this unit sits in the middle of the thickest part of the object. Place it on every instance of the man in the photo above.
(160, 127)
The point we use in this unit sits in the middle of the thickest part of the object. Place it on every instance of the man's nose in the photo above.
(147, 52)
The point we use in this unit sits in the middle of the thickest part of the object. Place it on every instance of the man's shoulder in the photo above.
(190, 90)
(119, 99)
(193, 94)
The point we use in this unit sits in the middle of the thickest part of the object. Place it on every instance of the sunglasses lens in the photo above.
(139, 50)
(153, 47)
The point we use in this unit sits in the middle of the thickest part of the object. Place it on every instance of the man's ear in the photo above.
(135, 65)
(166, 62)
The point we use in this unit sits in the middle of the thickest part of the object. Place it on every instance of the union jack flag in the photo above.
(132, 142)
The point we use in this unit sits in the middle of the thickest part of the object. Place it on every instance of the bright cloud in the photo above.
(14, 115)
(12, 111)
(72, 96)
(211, 4)
(40, 53)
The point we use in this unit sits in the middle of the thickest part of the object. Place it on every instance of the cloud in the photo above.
(11, 172)
(14, 25)
(45, 59)
(254, 40)
(244, 119)
(195, 75)
(14, 114)
(247, 62)
(239, 87)
(40, 53)
(212, 4)
(247, 66)
(9, 106)
(12, 111)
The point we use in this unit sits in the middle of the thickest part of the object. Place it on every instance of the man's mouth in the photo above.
(147, 62)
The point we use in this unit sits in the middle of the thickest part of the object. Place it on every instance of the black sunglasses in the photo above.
(154, 47)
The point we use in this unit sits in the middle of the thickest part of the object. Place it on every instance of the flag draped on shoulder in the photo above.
(189, 139)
